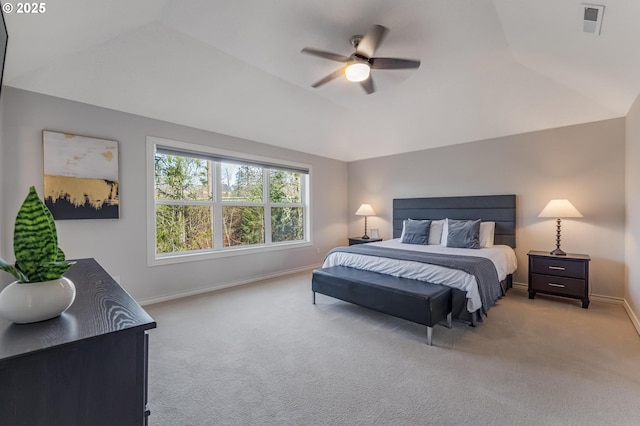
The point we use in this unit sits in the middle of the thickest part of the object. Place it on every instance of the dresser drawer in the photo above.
(559, 285)
(558, 267)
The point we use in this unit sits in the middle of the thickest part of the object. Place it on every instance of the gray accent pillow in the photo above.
(415, 231)
(464, 234)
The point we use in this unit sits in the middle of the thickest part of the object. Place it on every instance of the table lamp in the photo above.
(365, 210)
(559, 208)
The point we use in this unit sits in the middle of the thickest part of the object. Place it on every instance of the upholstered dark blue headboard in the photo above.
(500, 209)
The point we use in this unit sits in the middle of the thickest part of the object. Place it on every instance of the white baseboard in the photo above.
(632, 316)
(607, 299)
(220, 286)
(520, 286)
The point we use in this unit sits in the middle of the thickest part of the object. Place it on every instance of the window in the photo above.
(213, 202)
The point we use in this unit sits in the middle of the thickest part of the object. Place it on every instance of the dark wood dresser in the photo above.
(566, 276)
(85, 367)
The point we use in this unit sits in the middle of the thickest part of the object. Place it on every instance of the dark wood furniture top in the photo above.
(87, 366)
(360, 240)
(566, 276)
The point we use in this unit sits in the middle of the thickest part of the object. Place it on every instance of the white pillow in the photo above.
(435, 233)
(487, 231)
(404, 222)
(445, 232)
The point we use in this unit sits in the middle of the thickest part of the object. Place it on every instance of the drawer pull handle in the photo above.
(556, 285)
(558, 268)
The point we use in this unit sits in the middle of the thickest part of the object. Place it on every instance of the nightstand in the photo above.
(360, 240)
(566, 276)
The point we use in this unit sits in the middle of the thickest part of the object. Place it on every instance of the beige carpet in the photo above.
(262, 354)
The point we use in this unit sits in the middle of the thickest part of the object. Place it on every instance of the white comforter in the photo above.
(503, 257)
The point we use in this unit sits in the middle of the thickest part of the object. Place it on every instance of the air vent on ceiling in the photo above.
(592, 18)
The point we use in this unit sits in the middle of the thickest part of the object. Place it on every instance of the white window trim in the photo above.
(154, 259)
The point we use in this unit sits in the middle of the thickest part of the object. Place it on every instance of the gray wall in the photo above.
(632, 283)
(584, 163)
(120, 245)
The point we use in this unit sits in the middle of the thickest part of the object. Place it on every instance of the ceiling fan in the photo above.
(358, 66)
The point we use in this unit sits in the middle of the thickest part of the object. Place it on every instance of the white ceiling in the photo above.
(489, 67)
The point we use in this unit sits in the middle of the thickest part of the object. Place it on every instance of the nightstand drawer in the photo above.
(558, 267)
(559, 285)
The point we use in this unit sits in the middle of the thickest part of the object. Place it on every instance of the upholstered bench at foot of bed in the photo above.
(417, 301)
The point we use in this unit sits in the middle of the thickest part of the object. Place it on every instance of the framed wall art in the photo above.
(80, 176)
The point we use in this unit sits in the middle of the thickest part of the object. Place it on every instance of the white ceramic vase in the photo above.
(23, 303)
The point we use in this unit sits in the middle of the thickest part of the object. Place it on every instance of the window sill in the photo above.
(226, 252)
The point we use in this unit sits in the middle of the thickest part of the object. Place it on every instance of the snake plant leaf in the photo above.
(4, 266)
(50, 271)
(35, 241)
(60, 256)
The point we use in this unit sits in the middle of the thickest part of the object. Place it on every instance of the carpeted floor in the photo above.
(262, 354)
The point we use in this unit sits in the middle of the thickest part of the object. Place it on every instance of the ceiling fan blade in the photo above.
(328, 78)
(393, 63)
(326, 55)
(371, 40)
(367, 85)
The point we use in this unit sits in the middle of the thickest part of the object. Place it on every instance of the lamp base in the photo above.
(558, 252)
(365, 236)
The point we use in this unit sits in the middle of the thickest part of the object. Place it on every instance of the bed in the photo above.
(476, 285)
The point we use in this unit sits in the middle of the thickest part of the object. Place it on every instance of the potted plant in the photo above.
(40, 292)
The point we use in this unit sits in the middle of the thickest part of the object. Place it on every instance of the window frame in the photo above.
(217, 204)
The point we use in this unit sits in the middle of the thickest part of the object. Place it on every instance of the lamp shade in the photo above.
(365, 210)
(560, 208)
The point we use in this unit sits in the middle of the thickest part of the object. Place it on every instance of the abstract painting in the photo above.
(80, 176)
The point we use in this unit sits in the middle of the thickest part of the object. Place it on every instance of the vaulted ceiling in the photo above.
(489, 67)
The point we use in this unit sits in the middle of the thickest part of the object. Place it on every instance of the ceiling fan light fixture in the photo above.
(357, 71)
(357, 67)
